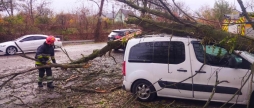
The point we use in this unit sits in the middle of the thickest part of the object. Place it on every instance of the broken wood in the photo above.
(65, 66)
(110, 45)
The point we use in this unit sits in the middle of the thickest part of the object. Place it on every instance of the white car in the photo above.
(154, 64)
(27, 43)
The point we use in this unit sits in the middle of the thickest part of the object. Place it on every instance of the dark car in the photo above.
(119, 33)
(116, 34)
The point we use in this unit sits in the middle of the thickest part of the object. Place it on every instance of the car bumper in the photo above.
(126, 86)
(58, 44)
(2, 51)
(111, 38)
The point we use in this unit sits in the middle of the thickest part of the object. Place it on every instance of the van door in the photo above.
(172, 65)
(204, 81)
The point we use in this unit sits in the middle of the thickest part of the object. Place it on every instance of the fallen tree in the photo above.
(172, 25)
(178, 27)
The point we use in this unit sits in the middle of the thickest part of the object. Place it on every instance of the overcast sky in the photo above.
(70, 5)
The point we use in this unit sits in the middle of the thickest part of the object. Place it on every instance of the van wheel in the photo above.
(251, 102)
(144, 90)
(11, 50)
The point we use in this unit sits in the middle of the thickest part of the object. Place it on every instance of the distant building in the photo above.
(236, 23)
(109, 16)
(122, 15)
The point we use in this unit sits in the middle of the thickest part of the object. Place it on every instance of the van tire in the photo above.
(251, 102)
(144, 91)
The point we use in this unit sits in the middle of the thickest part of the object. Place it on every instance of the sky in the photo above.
(72, 5)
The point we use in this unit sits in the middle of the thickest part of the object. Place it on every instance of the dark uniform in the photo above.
(45, 53)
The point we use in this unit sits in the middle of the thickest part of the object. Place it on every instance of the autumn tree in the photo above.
(221, 7)
(214, 16)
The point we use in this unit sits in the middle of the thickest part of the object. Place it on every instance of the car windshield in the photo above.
(121, 33)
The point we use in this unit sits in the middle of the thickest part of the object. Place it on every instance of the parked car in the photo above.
(26, 43)
(119, 33)
(152, 64)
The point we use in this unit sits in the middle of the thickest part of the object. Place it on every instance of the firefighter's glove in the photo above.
(44, 62)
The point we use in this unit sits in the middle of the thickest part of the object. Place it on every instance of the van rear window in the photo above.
(142, 52)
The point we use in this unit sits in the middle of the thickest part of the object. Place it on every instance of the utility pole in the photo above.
(113, 14)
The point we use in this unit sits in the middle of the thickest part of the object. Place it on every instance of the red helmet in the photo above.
(50, 40)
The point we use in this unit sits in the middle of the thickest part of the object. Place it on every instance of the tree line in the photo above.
(33, 17)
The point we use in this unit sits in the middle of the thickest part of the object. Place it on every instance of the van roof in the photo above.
(154, 36)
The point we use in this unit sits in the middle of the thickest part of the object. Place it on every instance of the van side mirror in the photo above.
(234, 61)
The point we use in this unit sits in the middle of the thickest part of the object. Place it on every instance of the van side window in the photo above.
(158, 52)
(142, 53)
(173, 54)
(214, 60)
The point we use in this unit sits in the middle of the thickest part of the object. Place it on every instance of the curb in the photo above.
(77, 41)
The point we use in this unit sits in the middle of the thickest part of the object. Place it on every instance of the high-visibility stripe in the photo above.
(243, 29)
(40, 56)
(242, 19)
(40, 79)
(49, 79)
(225, 25)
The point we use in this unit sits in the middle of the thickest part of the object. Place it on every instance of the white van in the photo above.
(154, 62)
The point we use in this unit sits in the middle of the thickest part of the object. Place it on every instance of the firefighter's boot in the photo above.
(40, 84)
(50, 85)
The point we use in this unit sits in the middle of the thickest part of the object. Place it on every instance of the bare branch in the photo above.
(5, 82)
(217, 82)
(174, 17)
(183, 11)
(45, 66)
(21, 101)
(237, 92)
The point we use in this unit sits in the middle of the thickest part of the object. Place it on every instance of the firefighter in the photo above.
(44, 53)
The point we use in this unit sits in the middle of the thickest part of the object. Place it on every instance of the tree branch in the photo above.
(217, 82)
(5, 82)
(174, 17)
(183, 11)
(237, 92)
(157, 13)
(46, 66)
(245, 14)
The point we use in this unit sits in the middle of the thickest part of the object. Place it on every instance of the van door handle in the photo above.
(181, 70)
(200, 71)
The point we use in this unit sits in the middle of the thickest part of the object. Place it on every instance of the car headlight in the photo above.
(2, 45)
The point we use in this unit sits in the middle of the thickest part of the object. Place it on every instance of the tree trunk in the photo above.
(110, 45)
(97, 32)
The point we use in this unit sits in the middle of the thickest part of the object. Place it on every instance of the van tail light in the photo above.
(117, 37)
(124, 68)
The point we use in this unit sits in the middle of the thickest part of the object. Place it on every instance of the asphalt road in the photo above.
(74, 50)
